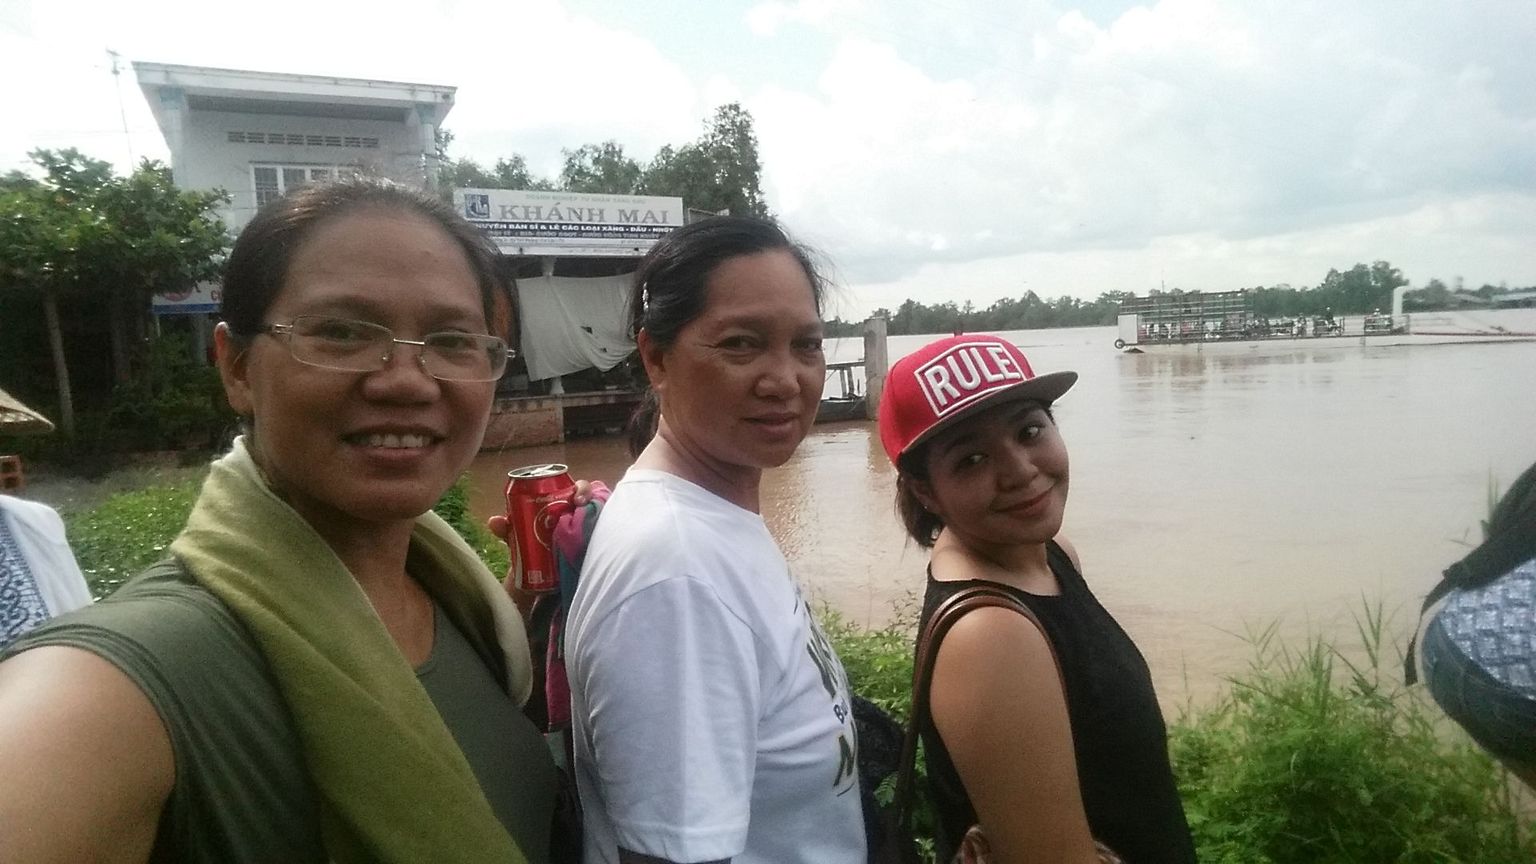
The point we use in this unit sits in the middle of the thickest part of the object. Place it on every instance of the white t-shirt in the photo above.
(711, 717)
(39, 578)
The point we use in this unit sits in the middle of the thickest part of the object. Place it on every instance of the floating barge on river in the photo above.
(1224, 321)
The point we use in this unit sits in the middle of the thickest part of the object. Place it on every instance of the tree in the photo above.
(36, 244)
(1434, 295)
(720, 171)
(507, 173)
(154, 238)
(80, 229)
(600, 168)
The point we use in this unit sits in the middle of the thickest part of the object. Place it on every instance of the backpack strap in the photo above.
(944, 617)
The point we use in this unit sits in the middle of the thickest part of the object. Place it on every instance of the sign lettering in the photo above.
(965, 373)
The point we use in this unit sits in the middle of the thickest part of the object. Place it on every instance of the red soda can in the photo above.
(537, 495)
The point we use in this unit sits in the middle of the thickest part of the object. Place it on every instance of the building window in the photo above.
(267, 187)
(274, 181)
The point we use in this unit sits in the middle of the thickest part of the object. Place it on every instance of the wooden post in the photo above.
(876, 365)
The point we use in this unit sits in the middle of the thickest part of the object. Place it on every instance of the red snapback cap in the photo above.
(955, 377)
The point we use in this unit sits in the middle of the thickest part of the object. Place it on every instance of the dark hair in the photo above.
(258, 263)
(669, 287)
(922, 524)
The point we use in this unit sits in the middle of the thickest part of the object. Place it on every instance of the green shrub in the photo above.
(878, 661)
(173, 399)
(1313, 759)
(128, 532)
(132, 530)
(454, 508)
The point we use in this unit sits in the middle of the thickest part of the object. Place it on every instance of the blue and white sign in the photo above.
(200, 299)
(570, 223)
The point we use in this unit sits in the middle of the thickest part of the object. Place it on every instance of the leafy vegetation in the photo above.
(1312, 758)
(131, 530)
(96, 245)
(719, 171)
(1360, 289)
(1028, 312)
(174, 400)
(454, 508)
(128, 532)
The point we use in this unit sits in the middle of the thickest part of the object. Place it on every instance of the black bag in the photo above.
(880, 747)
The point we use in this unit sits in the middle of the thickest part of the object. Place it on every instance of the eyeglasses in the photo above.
(345, 345)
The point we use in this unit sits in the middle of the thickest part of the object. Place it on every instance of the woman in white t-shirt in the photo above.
(711, 716)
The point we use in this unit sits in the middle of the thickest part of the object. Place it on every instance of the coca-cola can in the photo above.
(537, 495)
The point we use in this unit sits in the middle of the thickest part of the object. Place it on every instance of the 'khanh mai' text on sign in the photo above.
(569, 223)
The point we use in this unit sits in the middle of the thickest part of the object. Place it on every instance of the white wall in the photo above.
(208, 160)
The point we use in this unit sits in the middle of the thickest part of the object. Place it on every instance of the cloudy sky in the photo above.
(934, 149)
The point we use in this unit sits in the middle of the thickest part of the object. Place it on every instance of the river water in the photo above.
(1211, 495)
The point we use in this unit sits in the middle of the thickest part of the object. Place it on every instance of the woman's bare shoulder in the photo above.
(1071, 550)
(953, 563)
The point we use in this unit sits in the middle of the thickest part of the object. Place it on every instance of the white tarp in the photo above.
(571, 324)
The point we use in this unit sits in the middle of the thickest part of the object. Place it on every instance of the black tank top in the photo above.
(1117, 728)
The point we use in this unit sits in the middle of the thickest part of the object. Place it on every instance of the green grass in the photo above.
(1314, 758)
(129, 531)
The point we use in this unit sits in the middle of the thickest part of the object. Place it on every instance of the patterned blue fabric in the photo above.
(1495, 627)
(1498, 718)
(21, 604)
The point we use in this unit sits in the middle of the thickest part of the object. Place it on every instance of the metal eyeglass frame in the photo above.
(421, 357)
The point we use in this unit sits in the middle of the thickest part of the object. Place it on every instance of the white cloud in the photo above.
(1468, 238)
(969, 148)
(1302, 133)
(531, 76)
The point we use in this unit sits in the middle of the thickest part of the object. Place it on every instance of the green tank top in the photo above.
(242, 794)
(508, 755)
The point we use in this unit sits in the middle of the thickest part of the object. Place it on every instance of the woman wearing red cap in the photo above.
(1043, 728)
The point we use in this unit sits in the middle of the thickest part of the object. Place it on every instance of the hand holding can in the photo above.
(537, 495)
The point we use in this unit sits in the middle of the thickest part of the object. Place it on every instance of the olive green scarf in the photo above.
(394, 785)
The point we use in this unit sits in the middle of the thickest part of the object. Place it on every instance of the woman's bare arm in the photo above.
(998, 704)
(88, 762)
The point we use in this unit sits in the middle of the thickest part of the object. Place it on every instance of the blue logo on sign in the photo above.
(477, 205)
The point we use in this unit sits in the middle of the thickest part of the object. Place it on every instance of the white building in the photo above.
(258, 134)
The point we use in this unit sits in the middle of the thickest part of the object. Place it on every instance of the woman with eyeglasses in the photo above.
(322, 670)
